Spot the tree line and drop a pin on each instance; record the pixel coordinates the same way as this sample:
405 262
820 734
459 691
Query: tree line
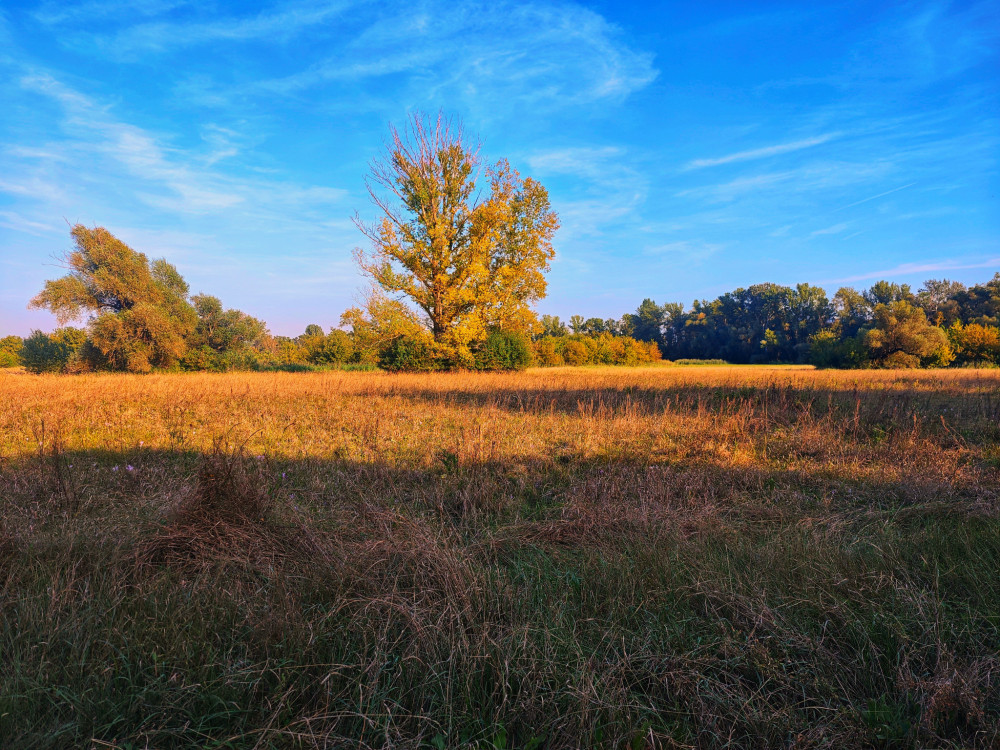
141 318
457 264
887 325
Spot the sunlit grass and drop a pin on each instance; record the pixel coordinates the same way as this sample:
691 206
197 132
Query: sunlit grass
663 556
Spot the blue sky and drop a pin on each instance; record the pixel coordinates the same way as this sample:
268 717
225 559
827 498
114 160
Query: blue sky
689 148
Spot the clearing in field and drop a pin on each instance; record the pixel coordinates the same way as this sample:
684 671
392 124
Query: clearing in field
665 557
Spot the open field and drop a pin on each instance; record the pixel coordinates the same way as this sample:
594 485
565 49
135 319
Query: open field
663 557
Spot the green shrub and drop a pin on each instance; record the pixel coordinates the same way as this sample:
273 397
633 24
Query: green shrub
203 358
53 352
826 349
902 337
413 354
244 358
901 361
334 348
503 350
285 367
605 349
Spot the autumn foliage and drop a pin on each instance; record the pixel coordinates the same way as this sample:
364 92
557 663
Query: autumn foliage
139 312
469 265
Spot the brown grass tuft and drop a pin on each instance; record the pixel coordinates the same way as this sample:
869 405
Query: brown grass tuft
227 516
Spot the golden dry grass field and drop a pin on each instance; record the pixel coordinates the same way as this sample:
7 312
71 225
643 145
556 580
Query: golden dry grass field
571 557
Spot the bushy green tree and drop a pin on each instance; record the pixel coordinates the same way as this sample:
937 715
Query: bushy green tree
825 348
139 316
504 350
225 340
547 354
575 353
648 321
415 353
886 293
377 324
52 352
852 311
225 330
980 304
937 298
287 351
336 347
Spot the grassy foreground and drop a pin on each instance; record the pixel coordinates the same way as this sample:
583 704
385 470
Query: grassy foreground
664 557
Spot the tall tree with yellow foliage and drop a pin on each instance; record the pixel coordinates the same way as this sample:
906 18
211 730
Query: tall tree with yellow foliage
471 258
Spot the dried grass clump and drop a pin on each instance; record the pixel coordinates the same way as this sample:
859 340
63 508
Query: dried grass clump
230 488
229 515
951 699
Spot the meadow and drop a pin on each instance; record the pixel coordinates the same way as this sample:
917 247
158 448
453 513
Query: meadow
703 557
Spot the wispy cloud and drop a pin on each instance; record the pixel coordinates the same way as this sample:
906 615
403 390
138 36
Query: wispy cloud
539 52
690 249
52 13
5 35
488 55
589 162
728 191
606 188
31 186
13 220
165 177
278 25
835 229
762 153
904 269
814 177
874 197
911 45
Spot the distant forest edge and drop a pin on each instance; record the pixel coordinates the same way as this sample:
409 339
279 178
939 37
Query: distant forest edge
457 263
142 318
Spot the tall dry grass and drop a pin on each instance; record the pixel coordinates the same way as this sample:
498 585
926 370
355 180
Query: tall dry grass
662 557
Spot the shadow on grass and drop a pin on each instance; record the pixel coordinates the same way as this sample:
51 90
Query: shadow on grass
781 403
174 599
469 493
